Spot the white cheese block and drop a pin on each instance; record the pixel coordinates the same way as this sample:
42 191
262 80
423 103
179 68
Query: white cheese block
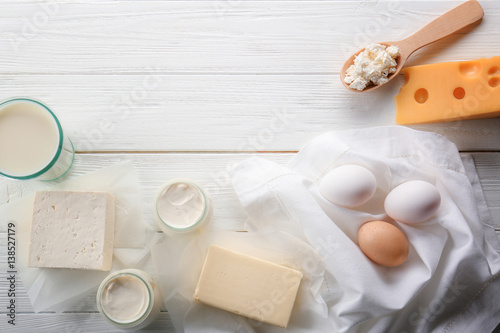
248 286
72 230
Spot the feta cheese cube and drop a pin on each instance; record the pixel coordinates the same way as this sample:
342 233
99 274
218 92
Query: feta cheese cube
72 230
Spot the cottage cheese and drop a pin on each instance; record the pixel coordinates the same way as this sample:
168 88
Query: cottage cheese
372 66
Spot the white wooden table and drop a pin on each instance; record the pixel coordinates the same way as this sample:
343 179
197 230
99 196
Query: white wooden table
186 88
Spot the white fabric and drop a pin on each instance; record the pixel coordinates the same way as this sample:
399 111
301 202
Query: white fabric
449 282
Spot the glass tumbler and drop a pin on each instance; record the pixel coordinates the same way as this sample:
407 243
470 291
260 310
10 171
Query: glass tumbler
32 142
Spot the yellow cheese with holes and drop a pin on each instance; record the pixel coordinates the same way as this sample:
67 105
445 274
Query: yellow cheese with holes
450 91
248 286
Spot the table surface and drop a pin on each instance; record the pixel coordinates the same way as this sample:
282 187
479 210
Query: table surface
187 88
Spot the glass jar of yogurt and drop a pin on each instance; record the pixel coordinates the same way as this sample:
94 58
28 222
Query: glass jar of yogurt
129 299
182 205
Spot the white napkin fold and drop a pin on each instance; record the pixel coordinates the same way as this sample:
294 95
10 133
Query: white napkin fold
449 282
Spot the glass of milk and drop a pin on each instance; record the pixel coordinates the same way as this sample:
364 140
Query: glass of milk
32 142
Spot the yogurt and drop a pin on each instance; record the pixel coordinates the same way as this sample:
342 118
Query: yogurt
125 298
129 299
182 205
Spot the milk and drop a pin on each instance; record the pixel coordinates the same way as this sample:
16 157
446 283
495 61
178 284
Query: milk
29 138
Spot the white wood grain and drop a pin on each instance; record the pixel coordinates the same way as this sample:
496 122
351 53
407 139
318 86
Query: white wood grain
77 322
221 36
487 166
220 112
155 169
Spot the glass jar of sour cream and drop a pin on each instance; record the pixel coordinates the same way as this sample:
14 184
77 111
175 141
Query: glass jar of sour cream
129 299
181 205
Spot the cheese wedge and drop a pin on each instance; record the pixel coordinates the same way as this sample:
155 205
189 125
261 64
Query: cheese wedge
248 286
72 230
450 91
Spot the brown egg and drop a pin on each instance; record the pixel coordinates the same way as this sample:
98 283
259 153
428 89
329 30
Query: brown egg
383 243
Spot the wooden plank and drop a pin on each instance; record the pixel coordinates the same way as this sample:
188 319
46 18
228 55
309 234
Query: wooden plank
157 112
155 169
76 322
92 36
487 166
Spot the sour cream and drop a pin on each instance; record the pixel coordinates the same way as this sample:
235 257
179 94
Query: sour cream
125 298
182 205
129 299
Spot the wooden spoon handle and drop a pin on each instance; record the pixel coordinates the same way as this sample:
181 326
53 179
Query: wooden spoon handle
448 23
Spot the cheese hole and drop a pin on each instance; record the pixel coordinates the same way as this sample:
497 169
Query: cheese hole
469 68
494 82
421 95
459 93
494 70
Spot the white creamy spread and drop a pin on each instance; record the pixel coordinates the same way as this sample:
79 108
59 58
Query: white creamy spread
125 298
180 205
373 65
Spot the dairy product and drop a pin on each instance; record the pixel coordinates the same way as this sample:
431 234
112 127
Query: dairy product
32 143
248 286
181 205
450 91
372 66
129 299
72 230
29 138
125 298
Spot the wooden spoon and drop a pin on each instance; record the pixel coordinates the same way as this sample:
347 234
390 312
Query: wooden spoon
446 24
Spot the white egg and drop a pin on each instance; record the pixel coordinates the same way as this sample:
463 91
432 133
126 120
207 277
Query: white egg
412 202
348 185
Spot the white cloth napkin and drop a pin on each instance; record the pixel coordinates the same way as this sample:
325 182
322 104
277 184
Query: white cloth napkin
449 282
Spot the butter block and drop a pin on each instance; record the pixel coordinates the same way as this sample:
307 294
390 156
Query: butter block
449 91
248 286
72 230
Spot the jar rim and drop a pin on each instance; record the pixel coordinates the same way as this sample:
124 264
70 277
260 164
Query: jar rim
60 132
203 215
115 275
